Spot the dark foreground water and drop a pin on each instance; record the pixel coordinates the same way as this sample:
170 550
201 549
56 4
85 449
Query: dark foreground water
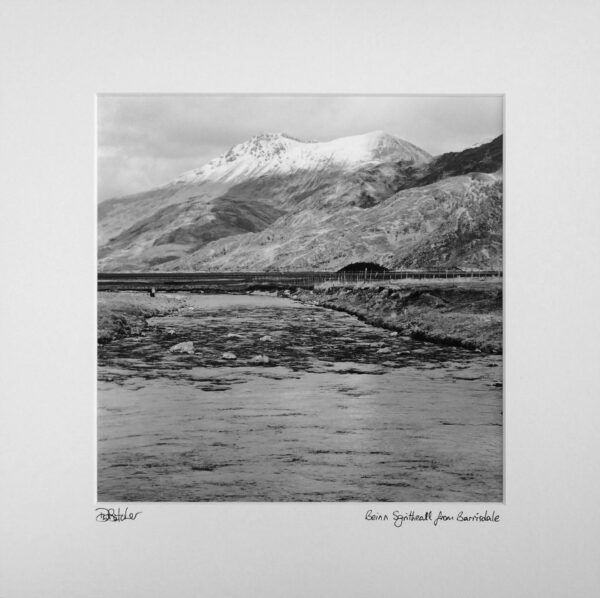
342 410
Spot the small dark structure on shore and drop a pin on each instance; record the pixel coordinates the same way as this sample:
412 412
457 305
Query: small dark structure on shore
362 267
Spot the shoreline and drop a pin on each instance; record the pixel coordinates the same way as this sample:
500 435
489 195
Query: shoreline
119 317
465 314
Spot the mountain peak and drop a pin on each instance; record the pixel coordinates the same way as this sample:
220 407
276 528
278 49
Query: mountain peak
280 153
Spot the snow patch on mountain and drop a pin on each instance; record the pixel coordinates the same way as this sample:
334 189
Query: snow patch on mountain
278 153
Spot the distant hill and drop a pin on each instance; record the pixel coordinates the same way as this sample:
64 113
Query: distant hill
483 158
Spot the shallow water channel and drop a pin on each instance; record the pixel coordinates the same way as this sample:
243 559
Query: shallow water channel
342 410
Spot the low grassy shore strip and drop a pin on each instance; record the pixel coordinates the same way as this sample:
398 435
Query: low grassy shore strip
464 314
125 314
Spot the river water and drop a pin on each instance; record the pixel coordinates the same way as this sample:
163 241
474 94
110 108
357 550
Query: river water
342 411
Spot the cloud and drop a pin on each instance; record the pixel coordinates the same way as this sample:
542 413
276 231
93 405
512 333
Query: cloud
147 140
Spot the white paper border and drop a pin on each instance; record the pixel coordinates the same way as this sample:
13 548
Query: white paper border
58 55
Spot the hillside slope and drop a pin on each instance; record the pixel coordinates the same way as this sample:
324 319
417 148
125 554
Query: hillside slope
454 222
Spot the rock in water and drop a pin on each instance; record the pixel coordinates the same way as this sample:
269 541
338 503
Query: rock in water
187 347
260 359
229 355
266 338
384 350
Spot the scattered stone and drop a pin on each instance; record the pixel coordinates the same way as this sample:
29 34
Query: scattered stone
187 347
260 359
170 332
266 338
384 350
393 333
233 335
229 355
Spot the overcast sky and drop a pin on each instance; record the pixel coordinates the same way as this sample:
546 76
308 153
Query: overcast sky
147 140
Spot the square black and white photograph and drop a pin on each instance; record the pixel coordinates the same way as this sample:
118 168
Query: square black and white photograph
300 298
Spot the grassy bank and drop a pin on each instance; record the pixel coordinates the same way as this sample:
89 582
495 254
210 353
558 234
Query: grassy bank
465 313
125 314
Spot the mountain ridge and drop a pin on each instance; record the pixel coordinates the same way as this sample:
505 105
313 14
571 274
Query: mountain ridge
269 153
229 215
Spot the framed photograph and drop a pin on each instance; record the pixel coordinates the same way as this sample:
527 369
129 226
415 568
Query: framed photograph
283 317
299 299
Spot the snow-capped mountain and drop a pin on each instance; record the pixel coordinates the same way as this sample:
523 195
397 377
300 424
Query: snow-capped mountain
278 153
277 202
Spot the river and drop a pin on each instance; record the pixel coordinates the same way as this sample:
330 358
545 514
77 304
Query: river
342 411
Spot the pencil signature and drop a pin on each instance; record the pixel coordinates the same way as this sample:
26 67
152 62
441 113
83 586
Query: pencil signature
110 514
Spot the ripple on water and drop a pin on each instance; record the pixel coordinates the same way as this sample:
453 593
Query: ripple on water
328 418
